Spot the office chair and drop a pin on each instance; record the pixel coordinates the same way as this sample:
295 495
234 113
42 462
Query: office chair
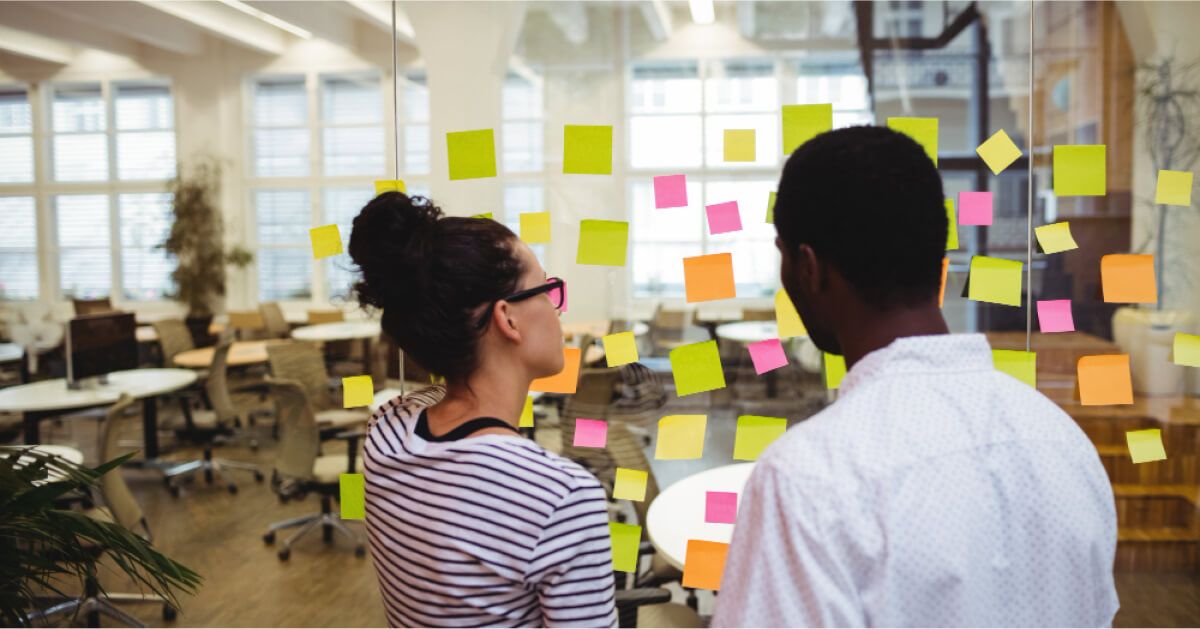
92 306
274 320
245 324
667 329
304 363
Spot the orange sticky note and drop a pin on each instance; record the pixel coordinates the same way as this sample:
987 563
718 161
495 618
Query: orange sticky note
564 381
703 564
1128 278
942 290
708 278
1105 380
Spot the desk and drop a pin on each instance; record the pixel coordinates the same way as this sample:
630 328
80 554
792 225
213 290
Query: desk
677 514
50 398
241 353
147 333
342 331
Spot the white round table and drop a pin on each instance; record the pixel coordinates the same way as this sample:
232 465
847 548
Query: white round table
67 453
677 514
342 331
748 331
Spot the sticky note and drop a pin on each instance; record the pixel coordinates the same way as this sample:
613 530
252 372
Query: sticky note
998 152
1080 170
625 541
587 149
389 185
1128 278
1055 237
942 288
767 355
472 154
975 208
723 217
1146 445
709 278
535 227
720 507
995 280
1105 380
670 191
835 370
1018 364
487 215
620 348
564 381
771 207
352 496
357 391
602 242
526 420
1186 350
703 564
787 319
739 145
802 123
680 437
1054 315
923 130
952 227
1174 188
590 433
630 484
754 434
697 368
326 241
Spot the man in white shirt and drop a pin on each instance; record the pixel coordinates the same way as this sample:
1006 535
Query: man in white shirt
936 491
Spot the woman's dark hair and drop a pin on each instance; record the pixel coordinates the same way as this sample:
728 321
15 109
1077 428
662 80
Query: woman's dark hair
430 274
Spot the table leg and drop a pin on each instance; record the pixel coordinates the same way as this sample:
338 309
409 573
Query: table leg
32 434
772 384
150 427
366 356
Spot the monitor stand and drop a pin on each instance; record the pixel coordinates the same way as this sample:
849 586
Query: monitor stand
88 383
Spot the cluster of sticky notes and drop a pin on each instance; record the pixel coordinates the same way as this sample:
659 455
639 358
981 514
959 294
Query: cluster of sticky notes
535 227
472 154
526 419
1146 445
326 241
995 280
357 391
802 123
998 152
680 437
625 541
1019 364
923 130
620 348
564 381
835 370
1080 170
767 355
723 217
590 433
389 185
670 191
975 208
709 277
720 507
1105 380
1055 237
630 484
787 318
952 229
1186 350
739 145
352 496
1054 315
697 368
703 564
602 243
587 149
754 434
1174 187
1128 278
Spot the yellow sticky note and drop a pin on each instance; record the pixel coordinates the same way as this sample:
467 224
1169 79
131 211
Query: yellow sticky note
786 318
620 349
389 185
1146 445
1080 170
952 228
754 434
602 242
1174 188
526 419
802 123
998 152
1055 237
357 391
587 149
1128 278
630 484
1105 380
1186 350
326 241
771 207
995 280
472 154
835 370
923 130
680 437
487 215
625 541
1018 364
352 496
697 368
535 227
739 145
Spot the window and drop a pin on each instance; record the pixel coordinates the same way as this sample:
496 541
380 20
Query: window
665 116
16 136
284 253
84 251
80 144
281 135
838 80
352 115
18 248
520 198
341 206
415 139
521 137
145 131
145 220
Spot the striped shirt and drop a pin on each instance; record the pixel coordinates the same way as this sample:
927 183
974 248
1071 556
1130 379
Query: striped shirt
486 531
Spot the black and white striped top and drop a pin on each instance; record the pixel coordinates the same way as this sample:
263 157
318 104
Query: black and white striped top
487 531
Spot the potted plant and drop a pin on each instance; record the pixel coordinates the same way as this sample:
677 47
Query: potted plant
1168 98
196 241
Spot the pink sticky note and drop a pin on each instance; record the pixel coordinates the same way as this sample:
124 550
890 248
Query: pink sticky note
590 433
974 208
723 218
670 191
1054 315
767 355
720 507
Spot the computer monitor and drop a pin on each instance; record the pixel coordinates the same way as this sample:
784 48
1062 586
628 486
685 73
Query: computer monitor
101 344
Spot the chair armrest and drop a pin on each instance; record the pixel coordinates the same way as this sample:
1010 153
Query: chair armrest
638 597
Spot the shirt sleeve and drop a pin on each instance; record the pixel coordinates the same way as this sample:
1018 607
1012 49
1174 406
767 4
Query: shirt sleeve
572 562
783 568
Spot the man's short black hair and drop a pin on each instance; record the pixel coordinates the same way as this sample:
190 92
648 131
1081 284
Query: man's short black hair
869 201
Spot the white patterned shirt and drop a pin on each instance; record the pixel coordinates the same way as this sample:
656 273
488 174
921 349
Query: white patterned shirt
935 492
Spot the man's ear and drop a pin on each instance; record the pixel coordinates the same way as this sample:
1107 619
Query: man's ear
809 270
504 319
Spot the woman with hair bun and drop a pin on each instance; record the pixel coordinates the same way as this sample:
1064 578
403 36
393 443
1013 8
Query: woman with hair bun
470 523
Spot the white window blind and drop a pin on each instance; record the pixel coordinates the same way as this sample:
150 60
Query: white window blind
18 248
742 95
284 250
415 138
342 204
84 256
352 115
281 134
16 136
145 117
80 141
521 135
520 198
145 268
665 115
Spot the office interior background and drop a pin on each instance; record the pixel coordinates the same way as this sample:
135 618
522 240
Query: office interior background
119 119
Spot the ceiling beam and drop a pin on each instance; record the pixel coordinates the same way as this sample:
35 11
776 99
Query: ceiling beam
37 18
379 15
137 22
320 18
35 46
571 18
230 24
658 19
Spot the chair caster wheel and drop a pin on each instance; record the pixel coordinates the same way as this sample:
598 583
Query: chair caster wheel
269 538
258 476
284 554
232 489
360 552
169 613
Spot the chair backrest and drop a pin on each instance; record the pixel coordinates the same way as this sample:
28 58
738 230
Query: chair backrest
217 384
299 442
303 363
117 496
273 319
245 322
670 323
591 400
758 314
325 316
626 451
173 337
92 306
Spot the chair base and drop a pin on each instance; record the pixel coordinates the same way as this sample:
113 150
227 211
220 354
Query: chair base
328 522
211 467
92 607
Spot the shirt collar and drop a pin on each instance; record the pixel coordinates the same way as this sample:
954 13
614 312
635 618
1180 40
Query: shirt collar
922 354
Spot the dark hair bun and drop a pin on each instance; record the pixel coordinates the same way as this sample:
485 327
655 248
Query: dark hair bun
392 238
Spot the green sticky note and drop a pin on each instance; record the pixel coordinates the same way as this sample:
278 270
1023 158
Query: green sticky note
535 227
602 242
587 149
326 241
697 368
835 370
802 123
771 207
1080 170
754 434
739 145
1018 364
680 437
1186 350
1174 188
952 228
923 130
995 280
630 484
472 154
620 348
487 215
526 419
357 391
625 541
1146 445
352 496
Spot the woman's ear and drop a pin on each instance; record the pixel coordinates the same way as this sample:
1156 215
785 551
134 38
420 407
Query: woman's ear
505 320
